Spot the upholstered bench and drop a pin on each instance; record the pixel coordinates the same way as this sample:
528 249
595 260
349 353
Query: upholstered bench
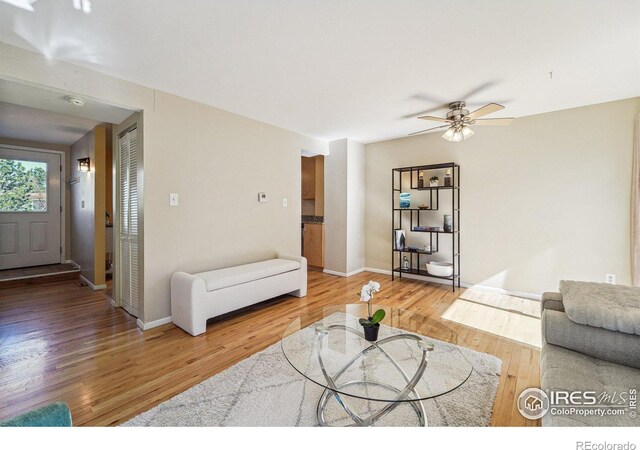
201 296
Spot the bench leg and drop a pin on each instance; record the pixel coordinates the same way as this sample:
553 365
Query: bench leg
299 293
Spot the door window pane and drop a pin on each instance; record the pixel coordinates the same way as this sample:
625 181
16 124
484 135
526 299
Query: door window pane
23 186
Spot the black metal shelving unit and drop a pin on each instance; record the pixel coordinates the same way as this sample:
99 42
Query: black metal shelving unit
414 218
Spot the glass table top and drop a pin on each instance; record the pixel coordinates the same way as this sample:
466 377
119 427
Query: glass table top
414 358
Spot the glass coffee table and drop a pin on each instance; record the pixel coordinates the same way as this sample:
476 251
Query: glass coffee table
415 358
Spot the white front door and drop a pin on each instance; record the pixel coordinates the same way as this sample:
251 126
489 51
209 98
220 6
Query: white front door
30 211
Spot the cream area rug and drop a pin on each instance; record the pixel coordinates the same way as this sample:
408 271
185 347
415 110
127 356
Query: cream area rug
265 390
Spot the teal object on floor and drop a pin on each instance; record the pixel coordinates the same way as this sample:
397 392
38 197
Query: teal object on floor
53 415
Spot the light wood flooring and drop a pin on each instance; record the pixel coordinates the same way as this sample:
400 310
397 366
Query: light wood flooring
63 341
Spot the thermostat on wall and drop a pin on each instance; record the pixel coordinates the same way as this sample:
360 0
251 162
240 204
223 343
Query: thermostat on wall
262 197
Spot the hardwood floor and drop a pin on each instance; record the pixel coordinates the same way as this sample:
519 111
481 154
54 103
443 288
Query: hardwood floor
63 341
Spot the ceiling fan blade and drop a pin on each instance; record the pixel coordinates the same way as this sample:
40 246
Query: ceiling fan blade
501 121
486 109
434 118
428 129
479 89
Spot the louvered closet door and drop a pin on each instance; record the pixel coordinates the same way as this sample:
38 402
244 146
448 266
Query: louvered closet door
129 221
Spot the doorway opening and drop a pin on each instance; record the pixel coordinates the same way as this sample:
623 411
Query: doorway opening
58 189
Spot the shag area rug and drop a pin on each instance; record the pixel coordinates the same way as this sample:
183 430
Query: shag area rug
265 390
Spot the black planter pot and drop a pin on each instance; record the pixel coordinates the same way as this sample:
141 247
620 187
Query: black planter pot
371 333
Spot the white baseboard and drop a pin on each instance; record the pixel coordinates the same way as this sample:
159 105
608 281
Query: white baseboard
462 283
95 287
482 287
71 261
343 274
371 269
155 323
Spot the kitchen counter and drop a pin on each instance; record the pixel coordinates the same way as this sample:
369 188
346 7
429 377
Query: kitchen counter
312 219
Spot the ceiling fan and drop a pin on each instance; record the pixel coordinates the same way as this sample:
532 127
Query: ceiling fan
459 121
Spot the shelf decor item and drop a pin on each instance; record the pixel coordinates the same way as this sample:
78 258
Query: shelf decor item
433 181
448 227
420 180
405 263
405 199
371 324
440 269
447 178
399 239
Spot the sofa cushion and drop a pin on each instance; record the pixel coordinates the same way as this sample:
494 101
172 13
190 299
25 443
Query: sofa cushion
602 305
563 369
614 346
232 276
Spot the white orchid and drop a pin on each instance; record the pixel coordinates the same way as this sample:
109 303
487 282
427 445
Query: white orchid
366 293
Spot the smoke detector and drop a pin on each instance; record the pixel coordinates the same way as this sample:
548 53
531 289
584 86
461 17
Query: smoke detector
75 101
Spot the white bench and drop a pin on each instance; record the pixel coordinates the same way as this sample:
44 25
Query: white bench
201 296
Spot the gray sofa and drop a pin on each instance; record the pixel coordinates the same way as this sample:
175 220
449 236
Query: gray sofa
578 357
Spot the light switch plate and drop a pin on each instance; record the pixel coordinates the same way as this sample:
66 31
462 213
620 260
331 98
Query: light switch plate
262 197
284 202
173 199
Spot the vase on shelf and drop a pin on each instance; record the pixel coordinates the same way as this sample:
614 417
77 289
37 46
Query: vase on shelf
405 199
448 223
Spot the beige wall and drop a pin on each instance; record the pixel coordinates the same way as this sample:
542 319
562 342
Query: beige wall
216 161
335 207
544 199
355 206
88 222
344 206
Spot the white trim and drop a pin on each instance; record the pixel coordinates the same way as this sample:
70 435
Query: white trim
371 269
71 261
342 274
462 283
95 287
155 323
503 291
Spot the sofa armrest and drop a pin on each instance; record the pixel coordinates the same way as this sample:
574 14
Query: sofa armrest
553 301
614 346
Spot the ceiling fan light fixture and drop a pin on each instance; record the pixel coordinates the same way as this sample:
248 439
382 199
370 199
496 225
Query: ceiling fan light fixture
467 132
448 135
457 136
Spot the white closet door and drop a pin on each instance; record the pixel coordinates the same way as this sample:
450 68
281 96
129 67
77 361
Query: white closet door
129 221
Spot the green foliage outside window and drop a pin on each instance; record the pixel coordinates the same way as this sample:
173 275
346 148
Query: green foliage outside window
23 187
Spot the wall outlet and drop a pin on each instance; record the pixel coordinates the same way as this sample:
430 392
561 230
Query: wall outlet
262 197
610 278
284 202
173 199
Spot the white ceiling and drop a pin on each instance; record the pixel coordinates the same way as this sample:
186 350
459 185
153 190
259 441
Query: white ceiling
31 124
360 68
33 113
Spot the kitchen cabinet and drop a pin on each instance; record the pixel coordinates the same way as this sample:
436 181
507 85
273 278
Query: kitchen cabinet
308 178
313 244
